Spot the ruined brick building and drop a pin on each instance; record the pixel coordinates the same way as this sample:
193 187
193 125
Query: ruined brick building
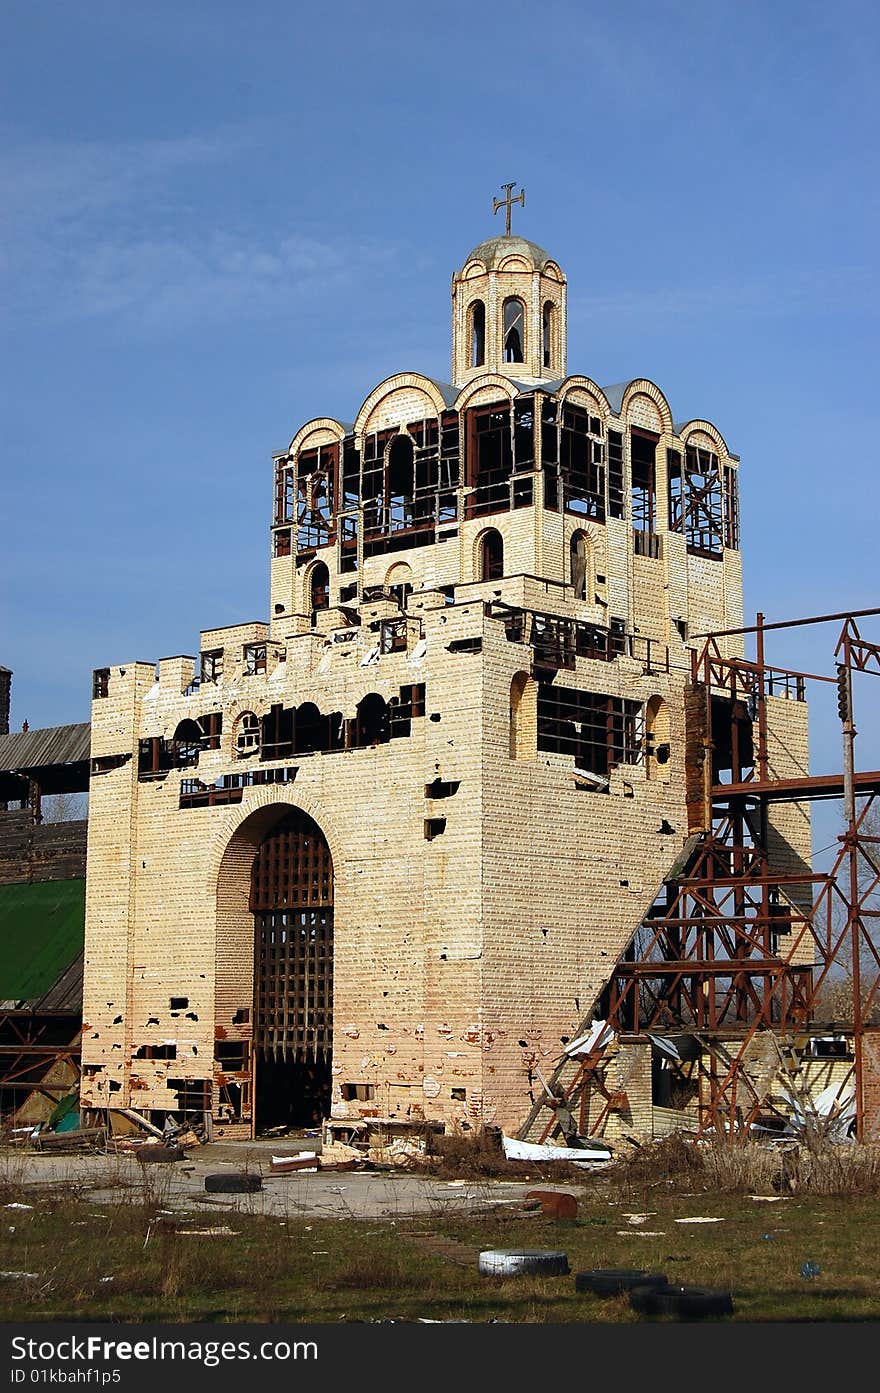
377 853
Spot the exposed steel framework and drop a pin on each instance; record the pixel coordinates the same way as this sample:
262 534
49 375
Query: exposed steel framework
734 946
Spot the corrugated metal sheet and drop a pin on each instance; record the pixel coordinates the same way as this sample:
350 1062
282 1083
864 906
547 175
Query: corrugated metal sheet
36 749
67 993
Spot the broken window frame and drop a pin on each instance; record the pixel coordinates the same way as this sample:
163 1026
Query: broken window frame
616 476
581 462
600 731
393 636
282 543
731 507
211 665
697 507
100 683
643 491
306 495
254 658
489 433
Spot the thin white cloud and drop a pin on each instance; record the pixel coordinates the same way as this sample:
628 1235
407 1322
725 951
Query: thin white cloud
112 231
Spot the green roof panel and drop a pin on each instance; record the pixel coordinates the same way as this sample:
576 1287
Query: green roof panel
42 928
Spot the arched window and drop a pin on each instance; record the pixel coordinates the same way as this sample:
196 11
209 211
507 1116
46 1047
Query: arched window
372 722
491 556
401 484
319 587
189 739
579 553
514 319
547 333
399 581
478 334
310 729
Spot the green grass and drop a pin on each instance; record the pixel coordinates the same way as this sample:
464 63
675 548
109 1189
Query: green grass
305 1269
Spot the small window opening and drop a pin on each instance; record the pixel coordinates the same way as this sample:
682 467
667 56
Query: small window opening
357 1092
579 556
212 665
547 334
319 590
254 658
514 330
440 788
478 334
178 1003
434 827
491 556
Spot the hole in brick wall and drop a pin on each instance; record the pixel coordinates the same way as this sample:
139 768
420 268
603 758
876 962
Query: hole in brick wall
242 1016
191 1016
179 1003
465 645
434 827
380 1025
153 1020
166 1051
435 716
115 1085
442 789
117 1020
458 1095
357 1092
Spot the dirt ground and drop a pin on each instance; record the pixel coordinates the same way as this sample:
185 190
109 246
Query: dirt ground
346 1194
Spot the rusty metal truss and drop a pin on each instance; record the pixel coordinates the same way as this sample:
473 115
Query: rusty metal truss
735 947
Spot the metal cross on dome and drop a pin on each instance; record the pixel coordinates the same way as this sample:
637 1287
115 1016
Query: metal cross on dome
508 203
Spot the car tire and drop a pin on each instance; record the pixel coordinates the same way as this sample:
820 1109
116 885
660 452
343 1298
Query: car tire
233 1183
515 1262
687 1303
611 1281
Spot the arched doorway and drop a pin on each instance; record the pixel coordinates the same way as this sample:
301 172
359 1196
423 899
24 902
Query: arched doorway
291 899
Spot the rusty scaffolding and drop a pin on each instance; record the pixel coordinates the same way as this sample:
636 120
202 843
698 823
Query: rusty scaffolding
734 945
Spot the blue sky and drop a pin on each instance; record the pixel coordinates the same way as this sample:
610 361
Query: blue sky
219 221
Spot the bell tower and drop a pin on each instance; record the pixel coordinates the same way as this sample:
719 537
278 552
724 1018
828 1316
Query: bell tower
509 309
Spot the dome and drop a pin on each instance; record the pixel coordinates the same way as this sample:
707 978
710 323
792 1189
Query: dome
495 249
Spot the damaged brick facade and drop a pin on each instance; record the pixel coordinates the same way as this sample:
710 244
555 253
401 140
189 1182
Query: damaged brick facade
375 855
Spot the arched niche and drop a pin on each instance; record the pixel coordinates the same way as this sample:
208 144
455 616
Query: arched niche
580 567
523 717
657 731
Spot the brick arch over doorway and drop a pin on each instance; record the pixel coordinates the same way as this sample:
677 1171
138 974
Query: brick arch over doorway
275 948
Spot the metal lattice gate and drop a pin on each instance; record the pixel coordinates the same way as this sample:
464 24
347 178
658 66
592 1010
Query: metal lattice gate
292 903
